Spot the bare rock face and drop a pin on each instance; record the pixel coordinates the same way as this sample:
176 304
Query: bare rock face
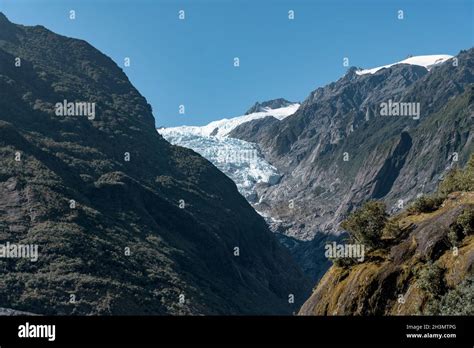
337 151
394 281
272 104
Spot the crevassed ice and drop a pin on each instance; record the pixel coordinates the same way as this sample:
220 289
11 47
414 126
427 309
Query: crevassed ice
238 159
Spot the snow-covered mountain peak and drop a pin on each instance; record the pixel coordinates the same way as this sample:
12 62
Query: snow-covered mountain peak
427 62
221 128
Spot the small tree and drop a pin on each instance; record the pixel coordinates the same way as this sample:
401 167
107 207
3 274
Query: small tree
466 221
460 300
426 204
430 280
366 224
459 179
463 226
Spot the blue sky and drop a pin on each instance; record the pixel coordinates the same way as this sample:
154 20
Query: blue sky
190 62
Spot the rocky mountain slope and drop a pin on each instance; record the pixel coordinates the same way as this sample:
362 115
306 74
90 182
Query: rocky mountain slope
336 151
269 105
423 263
125 222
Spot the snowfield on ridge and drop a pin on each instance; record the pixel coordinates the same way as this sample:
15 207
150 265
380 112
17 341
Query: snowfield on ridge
428 62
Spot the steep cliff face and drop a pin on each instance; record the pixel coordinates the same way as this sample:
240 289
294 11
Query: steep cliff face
337 151
419 272
125 223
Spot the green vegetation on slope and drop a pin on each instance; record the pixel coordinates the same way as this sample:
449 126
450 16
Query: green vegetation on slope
422 262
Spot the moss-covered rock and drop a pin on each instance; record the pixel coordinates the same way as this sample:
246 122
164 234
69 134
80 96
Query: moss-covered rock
422 273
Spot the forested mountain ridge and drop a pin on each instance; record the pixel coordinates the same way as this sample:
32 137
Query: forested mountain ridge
125 223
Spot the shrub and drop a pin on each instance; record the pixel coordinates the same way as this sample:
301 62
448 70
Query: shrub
366 224
426 204
457 301
392 229
463 226
430 280
343 262
466 221
453 236
459 179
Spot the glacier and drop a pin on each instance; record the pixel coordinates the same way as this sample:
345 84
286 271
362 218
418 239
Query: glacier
240 160
427 61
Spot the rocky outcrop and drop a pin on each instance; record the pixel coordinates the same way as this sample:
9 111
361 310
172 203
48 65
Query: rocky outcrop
269 104
417 273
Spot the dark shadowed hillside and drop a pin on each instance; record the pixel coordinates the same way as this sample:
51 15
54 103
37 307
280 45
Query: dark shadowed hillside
124 221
